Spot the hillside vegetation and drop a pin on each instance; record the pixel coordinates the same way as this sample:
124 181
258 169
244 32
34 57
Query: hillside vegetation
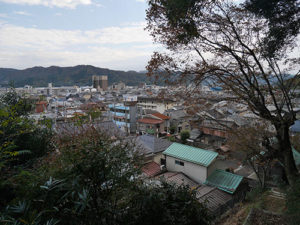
66 76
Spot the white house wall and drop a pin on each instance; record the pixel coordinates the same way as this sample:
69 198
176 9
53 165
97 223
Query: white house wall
154 105
194 171
212 167
157 157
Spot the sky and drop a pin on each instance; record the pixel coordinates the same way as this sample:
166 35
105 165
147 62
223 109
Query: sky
104 33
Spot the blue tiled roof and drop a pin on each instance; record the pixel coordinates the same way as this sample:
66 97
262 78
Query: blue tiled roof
122 107
296 127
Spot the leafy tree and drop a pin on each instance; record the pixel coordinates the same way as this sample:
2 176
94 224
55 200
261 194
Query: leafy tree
257 143
94 114
22 142
167 204
283 18
98 182
14 102
18 134
184 135
221 43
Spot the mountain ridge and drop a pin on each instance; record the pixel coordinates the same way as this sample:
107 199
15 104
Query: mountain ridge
80 75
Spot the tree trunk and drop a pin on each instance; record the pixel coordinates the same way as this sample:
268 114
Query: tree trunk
256 171
287 153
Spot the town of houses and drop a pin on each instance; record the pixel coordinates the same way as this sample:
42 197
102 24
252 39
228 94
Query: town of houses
204 162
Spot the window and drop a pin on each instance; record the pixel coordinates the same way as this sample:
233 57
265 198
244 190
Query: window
179 163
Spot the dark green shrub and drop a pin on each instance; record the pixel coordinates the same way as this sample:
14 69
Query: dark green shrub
293 204
185 134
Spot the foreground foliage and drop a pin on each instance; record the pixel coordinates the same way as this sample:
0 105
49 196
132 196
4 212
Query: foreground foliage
293 204
22 144
93 179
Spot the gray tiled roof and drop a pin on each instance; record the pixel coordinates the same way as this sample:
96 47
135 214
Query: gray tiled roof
176 114
213 198
194 134
106 127
151 144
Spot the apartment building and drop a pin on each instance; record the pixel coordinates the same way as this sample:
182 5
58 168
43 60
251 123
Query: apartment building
155 103
124 115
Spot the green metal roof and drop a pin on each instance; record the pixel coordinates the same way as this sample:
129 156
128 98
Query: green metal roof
296 155
191 154
225 181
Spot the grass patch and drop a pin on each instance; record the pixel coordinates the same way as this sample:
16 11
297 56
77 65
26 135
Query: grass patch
257 199
263 199
273 204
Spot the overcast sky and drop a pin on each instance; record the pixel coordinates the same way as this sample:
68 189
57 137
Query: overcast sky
104 33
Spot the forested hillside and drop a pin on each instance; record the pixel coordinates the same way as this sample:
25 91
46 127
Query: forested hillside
61 76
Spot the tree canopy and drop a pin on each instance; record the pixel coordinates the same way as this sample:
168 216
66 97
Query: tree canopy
223 44
283 18
22 143
95 179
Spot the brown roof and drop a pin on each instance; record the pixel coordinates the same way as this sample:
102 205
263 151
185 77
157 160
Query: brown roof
151 169
133 103
119 117
161 116
150 121
41 103
178 178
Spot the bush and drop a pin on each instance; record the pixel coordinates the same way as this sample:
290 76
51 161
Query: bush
172 129
22 144
172 138
252 195
96 180
293 204
184 135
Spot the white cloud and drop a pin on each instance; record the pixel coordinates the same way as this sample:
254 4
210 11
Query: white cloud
22 13
3 15
11 35
51 3
112 47
97 4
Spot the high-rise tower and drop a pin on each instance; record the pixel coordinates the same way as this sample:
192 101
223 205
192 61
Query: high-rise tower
96 82
100 82
103 81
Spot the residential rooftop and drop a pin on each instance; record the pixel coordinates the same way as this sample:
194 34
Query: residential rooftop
191 154
225 181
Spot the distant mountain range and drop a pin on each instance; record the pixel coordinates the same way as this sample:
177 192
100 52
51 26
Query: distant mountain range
67 76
